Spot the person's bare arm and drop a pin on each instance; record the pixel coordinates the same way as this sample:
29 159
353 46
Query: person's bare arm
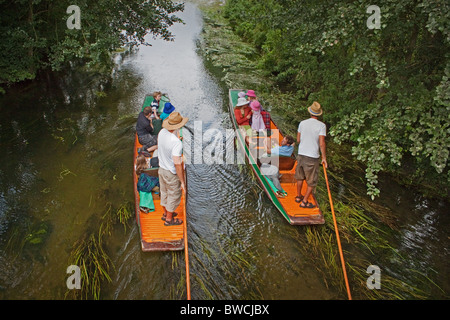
155 112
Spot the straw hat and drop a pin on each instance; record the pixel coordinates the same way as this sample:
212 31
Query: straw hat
174 121
315 109
241 102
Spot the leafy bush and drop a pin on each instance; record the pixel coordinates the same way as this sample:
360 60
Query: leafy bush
386 91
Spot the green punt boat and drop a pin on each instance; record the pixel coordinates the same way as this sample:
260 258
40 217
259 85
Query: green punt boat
290 209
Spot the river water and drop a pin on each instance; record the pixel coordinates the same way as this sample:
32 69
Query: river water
67 159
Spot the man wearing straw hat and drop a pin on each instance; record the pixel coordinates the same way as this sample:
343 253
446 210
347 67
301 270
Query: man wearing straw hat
311 136
171 173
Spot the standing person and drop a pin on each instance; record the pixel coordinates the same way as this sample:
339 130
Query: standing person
144 130
311 136
171 173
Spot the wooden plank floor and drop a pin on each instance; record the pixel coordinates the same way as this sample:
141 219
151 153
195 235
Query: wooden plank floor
154 231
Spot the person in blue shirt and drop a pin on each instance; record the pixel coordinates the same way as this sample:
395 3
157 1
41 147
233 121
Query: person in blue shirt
284 149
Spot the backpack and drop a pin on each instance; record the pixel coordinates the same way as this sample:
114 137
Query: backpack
146 183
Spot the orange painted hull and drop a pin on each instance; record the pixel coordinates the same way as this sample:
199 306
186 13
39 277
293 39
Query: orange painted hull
155 236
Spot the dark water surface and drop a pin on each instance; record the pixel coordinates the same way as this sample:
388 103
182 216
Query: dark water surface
67 159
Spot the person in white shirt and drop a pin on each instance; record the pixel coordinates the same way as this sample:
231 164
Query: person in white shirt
171 173
311 136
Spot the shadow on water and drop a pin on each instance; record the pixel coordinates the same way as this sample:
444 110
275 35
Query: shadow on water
68 158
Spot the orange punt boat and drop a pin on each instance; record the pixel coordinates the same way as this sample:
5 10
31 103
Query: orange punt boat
155 236
290 209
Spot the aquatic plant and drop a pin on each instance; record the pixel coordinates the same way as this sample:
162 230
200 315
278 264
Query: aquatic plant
94 264
32 237
90 255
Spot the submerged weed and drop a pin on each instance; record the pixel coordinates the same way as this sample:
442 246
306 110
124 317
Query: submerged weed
89 254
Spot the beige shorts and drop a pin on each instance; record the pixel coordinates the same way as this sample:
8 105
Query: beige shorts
307 169
170 189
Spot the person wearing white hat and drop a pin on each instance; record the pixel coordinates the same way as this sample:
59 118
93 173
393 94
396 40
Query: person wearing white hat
311 138
171 173
242 112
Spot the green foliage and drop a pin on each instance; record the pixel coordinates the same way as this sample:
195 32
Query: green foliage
36 36
386 91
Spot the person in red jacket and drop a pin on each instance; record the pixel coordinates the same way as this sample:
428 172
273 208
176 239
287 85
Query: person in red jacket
243 113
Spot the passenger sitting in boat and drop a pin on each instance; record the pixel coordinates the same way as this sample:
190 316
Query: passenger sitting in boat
145 185
242 94
273 174
251 96
144 130
257 119
168 109
243 113
155 104
141 164
265 114
286 147
271 171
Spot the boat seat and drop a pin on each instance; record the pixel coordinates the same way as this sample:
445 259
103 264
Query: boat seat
286 163
153 172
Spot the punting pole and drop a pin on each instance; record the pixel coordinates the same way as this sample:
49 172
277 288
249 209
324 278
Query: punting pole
186 255
337 236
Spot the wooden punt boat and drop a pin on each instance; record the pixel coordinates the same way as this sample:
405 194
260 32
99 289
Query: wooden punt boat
154 235
287 205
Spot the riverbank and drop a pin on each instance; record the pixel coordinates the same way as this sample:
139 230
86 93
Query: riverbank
369 228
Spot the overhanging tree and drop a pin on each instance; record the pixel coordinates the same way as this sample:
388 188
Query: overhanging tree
386 91
35 35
